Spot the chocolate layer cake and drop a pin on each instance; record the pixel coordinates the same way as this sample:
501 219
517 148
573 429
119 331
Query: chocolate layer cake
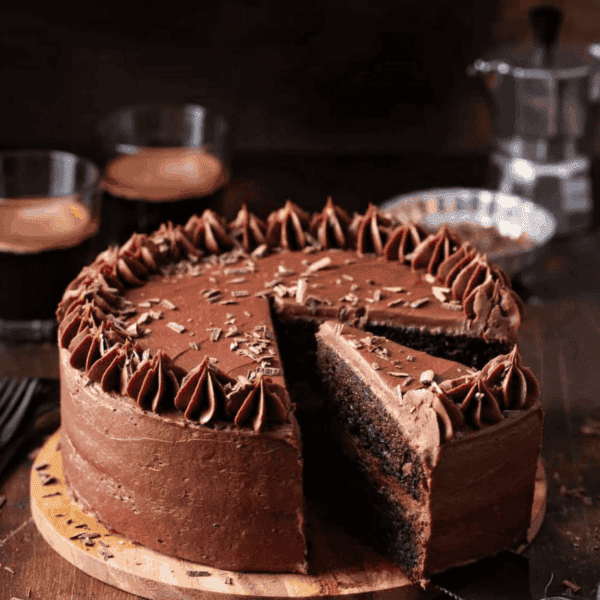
189 358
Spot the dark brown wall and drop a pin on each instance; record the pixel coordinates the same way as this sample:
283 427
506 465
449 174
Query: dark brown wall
294 76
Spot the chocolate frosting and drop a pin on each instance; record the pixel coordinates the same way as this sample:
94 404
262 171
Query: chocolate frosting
512 383
503 384
208 232
331 227
261 401
93 312
433 250
403 240
372 231
202 395
288 227
248 229
153 385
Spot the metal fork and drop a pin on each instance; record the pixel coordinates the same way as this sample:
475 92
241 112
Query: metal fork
16 396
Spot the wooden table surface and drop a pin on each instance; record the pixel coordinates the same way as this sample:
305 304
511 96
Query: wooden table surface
560 340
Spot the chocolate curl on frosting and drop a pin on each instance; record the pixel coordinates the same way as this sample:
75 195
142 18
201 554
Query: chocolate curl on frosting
262 401
202 393
154 383
433 250
208 232
248 229
331 227
287 227
512 383
403 240
372 231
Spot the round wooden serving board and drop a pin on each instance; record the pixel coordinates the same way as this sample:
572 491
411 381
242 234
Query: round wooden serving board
344 567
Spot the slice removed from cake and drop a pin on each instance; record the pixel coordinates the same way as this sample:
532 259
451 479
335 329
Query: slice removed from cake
428 449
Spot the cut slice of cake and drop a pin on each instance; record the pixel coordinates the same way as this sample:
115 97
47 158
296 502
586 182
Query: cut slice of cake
438 459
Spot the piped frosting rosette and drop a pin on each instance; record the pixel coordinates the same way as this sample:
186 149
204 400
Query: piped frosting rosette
486 396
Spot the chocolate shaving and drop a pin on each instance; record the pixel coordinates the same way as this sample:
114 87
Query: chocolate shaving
455 306
394 303
133 330
168 304
427 377
47 479
301 291
399 394
418 303
441 293
144 318
215 334
270 371
319 265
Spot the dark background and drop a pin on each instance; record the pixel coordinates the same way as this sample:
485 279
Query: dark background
319 78
309 76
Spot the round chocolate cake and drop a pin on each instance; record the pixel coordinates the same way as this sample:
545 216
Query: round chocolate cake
212 374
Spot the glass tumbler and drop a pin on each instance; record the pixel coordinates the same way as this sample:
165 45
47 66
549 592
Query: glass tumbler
162 162
49 216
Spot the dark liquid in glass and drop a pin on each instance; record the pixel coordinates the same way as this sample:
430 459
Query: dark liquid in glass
43 246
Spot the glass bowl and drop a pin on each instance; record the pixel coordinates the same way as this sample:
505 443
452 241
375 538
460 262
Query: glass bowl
509 229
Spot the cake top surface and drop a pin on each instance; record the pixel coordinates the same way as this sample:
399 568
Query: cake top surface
181 318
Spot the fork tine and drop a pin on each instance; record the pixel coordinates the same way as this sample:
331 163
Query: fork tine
7 388
11 398
20 402
6 381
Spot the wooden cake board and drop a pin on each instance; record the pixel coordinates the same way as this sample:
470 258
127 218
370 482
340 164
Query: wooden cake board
345 568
